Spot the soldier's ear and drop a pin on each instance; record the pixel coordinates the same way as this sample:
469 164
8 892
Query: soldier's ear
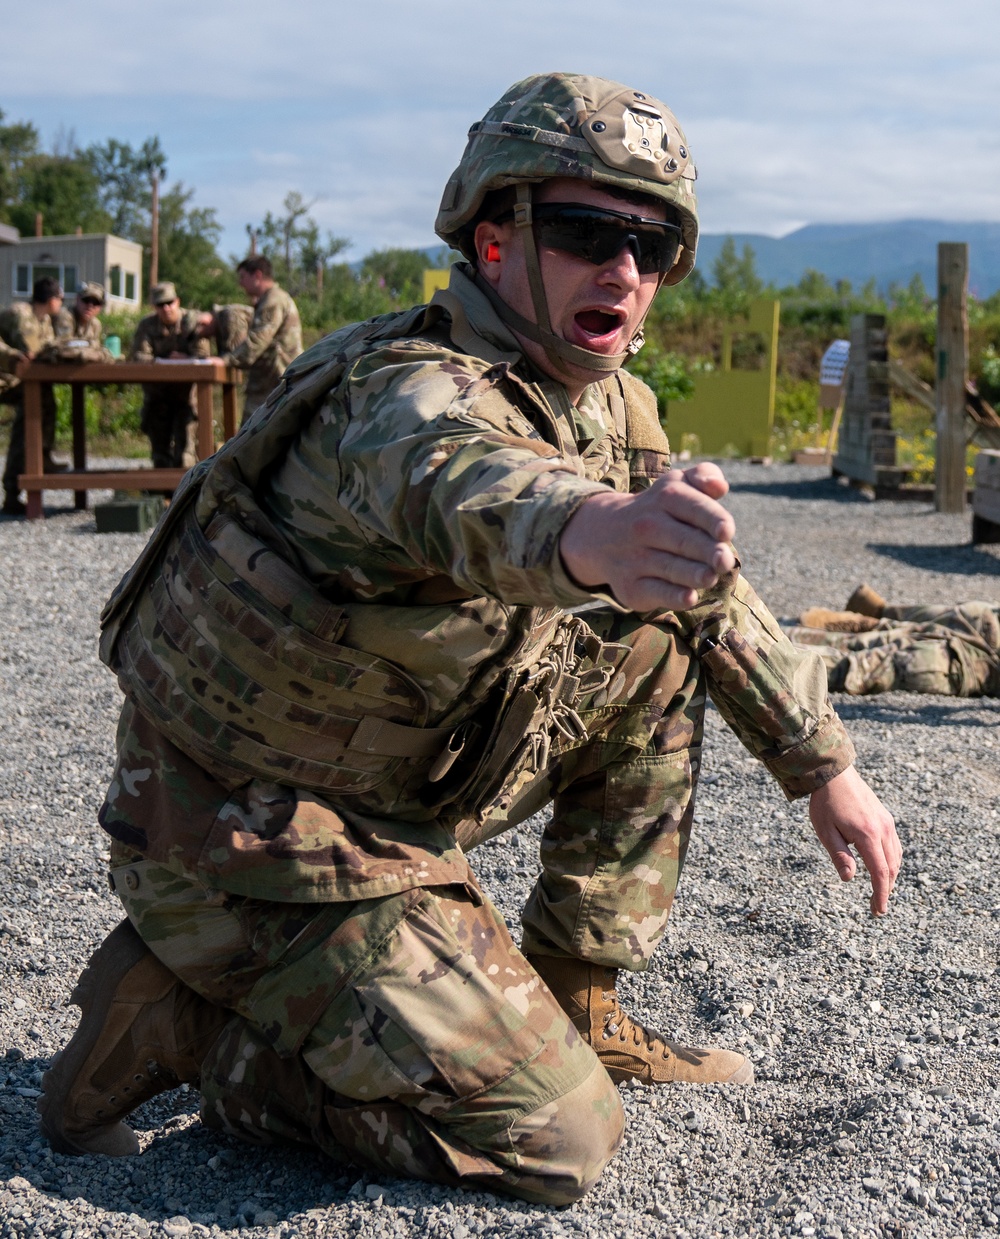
491 246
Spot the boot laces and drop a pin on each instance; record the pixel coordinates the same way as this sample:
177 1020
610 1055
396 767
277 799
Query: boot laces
155 1075
618 1023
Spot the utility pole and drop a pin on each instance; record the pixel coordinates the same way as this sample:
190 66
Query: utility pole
952 373
154 229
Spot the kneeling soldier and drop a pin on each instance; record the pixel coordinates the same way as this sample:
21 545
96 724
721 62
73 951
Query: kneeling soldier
351 654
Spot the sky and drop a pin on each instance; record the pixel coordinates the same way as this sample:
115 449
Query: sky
796 112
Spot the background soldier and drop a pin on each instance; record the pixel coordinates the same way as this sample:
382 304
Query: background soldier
168 413
25 330
227 325
83 321
274 338
875 647
348 659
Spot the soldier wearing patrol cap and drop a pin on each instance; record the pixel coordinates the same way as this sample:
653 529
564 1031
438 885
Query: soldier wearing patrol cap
168 414
354 650
83 321
25 335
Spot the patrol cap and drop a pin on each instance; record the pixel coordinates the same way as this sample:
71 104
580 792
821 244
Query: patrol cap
91 291
163 294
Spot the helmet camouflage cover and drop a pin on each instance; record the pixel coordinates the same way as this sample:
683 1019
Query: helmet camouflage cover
571 125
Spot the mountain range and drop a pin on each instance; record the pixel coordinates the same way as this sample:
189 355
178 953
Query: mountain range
889 253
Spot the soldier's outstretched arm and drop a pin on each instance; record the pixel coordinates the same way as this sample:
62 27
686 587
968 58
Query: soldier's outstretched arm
846 813
655 550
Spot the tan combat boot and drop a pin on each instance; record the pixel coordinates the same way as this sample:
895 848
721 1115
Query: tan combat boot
142 1033
866 601
837 621
627 1050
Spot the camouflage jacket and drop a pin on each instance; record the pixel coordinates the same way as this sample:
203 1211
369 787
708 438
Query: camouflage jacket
153 339
20 332
67 327
416 487
232 325
274 338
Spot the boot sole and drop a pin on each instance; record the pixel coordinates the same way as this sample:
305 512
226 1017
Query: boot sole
93 994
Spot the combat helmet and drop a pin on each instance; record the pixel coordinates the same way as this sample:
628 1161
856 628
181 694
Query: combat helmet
570 125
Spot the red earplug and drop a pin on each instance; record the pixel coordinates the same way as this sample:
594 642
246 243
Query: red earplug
492 252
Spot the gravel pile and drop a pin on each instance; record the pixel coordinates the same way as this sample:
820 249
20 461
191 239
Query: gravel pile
877 1043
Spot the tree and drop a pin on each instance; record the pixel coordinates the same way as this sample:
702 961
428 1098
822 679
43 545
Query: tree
179 240
124 176
815 286
735 277
18 143
63 190
293 244
399 271
188 240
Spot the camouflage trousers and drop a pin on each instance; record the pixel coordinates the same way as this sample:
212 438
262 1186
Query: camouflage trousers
169 421
408 1032
954 651
262 378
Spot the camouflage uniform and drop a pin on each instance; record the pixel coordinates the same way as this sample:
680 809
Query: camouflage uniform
168 414
348 659
22 332
918 649
68 327
273 340
231 326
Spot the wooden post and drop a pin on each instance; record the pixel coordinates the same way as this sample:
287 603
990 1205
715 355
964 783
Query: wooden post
154 229
78 396
206 426
33 463
952 368
229 426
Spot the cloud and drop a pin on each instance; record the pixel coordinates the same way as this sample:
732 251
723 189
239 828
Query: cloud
794 112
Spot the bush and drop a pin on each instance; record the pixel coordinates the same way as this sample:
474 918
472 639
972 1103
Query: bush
666 373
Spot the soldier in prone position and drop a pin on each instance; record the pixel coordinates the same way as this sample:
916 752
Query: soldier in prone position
353 651
877 647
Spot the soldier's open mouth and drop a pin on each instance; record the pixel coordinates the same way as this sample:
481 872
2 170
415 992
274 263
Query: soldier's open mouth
597 322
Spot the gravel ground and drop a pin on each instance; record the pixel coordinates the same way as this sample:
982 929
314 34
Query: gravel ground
877 1043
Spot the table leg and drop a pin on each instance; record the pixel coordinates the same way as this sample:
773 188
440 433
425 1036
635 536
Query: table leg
79 395
206 430
228 410
33 443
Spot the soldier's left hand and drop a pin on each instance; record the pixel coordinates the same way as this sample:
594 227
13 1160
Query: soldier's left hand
846 813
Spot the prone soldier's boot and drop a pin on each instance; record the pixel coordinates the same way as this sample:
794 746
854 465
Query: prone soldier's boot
142 1032
627 1050
837 621
866 601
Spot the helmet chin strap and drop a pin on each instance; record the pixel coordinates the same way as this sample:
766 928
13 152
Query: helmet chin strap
560 352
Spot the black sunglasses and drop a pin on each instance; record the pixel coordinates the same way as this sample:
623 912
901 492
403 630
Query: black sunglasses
599 235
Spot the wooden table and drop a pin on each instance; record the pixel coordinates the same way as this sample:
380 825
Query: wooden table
80 479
